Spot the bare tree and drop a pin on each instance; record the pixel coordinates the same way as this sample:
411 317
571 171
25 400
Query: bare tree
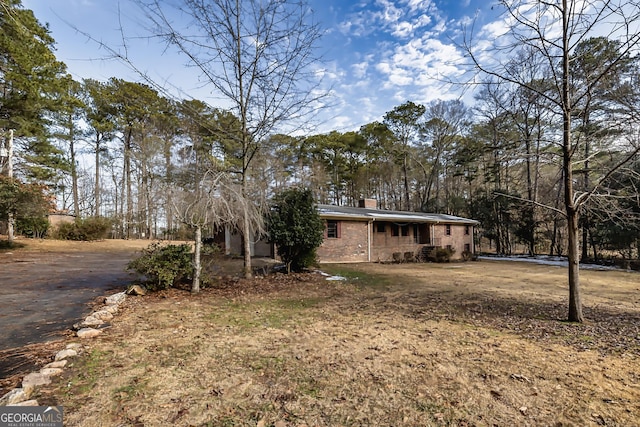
216 201
257 55
553 30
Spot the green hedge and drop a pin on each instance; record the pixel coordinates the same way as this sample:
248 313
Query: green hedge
94 228
163 265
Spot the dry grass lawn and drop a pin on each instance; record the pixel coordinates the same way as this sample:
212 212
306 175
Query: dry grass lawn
27 245
473 344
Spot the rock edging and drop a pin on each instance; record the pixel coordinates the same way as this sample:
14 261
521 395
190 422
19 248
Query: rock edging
90 327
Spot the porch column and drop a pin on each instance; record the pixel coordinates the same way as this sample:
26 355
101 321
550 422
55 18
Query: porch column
432 230
369 231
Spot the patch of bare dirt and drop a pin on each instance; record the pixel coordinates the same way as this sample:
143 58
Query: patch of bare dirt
478 344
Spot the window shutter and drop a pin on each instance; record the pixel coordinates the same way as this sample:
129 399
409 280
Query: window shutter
339 229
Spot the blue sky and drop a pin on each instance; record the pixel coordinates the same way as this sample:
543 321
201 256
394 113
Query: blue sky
378 54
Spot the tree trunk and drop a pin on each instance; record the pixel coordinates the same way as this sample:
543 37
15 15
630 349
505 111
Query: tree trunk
11 219
596 255
118 198
243 105
246 223
97 181
530 212
406 183
536 169
146 210
74 183
246 235
169 169
575 302
585 216
145 207
74 169
127 181
197 265
584 247
10 227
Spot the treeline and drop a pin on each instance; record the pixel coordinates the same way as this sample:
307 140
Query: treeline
123 150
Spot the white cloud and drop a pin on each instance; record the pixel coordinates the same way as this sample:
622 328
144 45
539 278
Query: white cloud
405 52
427 56
400 18
341 122
390 14
419 4
403 29
384 67
494 29
360 69
406 29
331 72
400 77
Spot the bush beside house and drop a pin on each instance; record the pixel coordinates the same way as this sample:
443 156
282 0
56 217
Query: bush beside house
295 228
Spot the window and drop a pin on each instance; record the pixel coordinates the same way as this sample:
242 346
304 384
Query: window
447 229
466 230
450 248
333 229
381 227
395 230
467 247
416 234
405 230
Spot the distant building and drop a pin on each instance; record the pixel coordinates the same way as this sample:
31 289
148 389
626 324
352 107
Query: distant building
57 218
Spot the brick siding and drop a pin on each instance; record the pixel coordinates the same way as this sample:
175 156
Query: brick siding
352 244
457 239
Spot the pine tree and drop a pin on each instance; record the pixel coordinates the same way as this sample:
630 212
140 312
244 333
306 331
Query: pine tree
29 81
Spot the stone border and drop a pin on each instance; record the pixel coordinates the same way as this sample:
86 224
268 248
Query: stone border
90 327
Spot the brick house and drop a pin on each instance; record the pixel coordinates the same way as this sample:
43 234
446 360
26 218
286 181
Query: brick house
368 234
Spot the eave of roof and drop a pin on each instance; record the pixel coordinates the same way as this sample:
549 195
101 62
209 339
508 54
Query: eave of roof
345 212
